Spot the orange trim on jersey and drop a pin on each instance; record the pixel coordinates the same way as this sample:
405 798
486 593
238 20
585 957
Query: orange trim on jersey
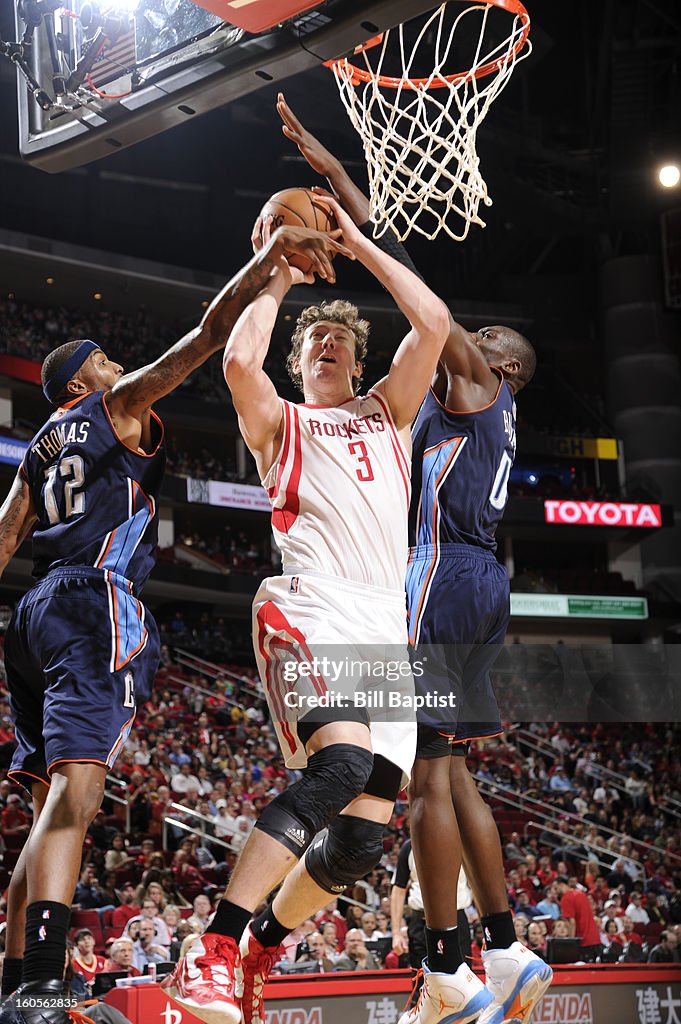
75 760
471 739
29 775
122 736
471 412
105 552
436 447
436 548
75 401
135 451
118 664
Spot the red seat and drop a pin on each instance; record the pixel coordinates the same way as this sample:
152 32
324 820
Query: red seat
88 919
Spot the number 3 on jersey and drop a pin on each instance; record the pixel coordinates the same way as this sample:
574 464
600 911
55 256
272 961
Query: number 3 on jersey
359 450
74 500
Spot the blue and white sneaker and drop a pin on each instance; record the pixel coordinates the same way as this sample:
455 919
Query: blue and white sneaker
517 979
448 998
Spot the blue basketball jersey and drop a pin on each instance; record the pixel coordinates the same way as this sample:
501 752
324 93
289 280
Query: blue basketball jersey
95 498
460 467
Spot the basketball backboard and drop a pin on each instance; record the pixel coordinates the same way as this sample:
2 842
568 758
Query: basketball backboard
107 74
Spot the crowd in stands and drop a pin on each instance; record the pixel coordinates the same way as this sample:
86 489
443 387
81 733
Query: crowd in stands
232 551
134 338
203 757
203 464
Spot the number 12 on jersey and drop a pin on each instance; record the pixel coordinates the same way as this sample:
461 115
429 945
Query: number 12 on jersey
74 499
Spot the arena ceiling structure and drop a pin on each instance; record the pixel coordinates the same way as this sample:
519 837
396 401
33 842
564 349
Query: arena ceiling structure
570 149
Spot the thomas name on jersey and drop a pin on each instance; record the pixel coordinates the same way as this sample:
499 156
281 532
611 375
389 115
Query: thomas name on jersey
52 443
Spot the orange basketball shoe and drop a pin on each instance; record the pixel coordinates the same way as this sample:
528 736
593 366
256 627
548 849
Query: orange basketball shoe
517 978
448 998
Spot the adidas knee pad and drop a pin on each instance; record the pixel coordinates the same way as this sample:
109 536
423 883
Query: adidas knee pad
349 849
334 776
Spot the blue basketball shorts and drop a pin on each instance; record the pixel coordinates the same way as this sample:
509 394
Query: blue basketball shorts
458 606
81 653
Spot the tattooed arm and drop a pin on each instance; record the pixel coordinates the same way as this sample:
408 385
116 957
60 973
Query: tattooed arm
131 398
17 517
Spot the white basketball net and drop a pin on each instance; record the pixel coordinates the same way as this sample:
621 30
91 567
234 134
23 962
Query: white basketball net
419 140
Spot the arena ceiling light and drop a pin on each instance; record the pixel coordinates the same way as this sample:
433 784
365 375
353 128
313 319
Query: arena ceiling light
669 176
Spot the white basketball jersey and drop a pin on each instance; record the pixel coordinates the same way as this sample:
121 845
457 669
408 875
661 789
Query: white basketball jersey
340 490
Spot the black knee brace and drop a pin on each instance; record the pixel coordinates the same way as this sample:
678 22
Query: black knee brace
348 850
334 776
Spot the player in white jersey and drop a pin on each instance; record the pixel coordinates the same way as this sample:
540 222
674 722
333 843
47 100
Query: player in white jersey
336 468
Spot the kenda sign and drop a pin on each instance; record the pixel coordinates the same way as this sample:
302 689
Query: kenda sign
601 513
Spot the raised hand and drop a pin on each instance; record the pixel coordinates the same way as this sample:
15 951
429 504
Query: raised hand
319 247
318 157
351 233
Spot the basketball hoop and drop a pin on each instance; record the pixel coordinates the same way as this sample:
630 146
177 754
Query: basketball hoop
419 126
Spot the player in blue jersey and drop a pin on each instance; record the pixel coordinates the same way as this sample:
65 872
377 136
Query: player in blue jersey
458 602
81 651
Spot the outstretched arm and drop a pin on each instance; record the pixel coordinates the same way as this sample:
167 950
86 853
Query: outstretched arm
17 517
459 356
133 395
414 362
255 398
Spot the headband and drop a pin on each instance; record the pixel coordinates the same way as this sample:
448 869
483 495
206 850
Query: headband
53 387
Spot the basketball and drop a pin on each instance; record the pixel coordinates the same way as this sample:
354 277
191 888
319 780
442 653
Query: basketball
299 208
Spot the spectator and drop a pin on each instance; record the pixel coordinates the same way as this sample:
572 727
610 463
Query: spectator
154 891
330 936
524 906
149 913
536 939
356 956
146 950
117 857
549 905
127 907
636 911
202 914
314 948
561 929
368 929
120 956
183 781
88 895
520 923
512 850
609 935
183 930
666 951
618 877
575 908
559 782
15 820
84 959
628 935
172 918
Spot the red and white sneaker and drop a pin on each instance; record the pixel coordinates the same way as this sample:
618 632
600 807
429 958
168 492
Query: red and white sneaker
257 962
209 980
